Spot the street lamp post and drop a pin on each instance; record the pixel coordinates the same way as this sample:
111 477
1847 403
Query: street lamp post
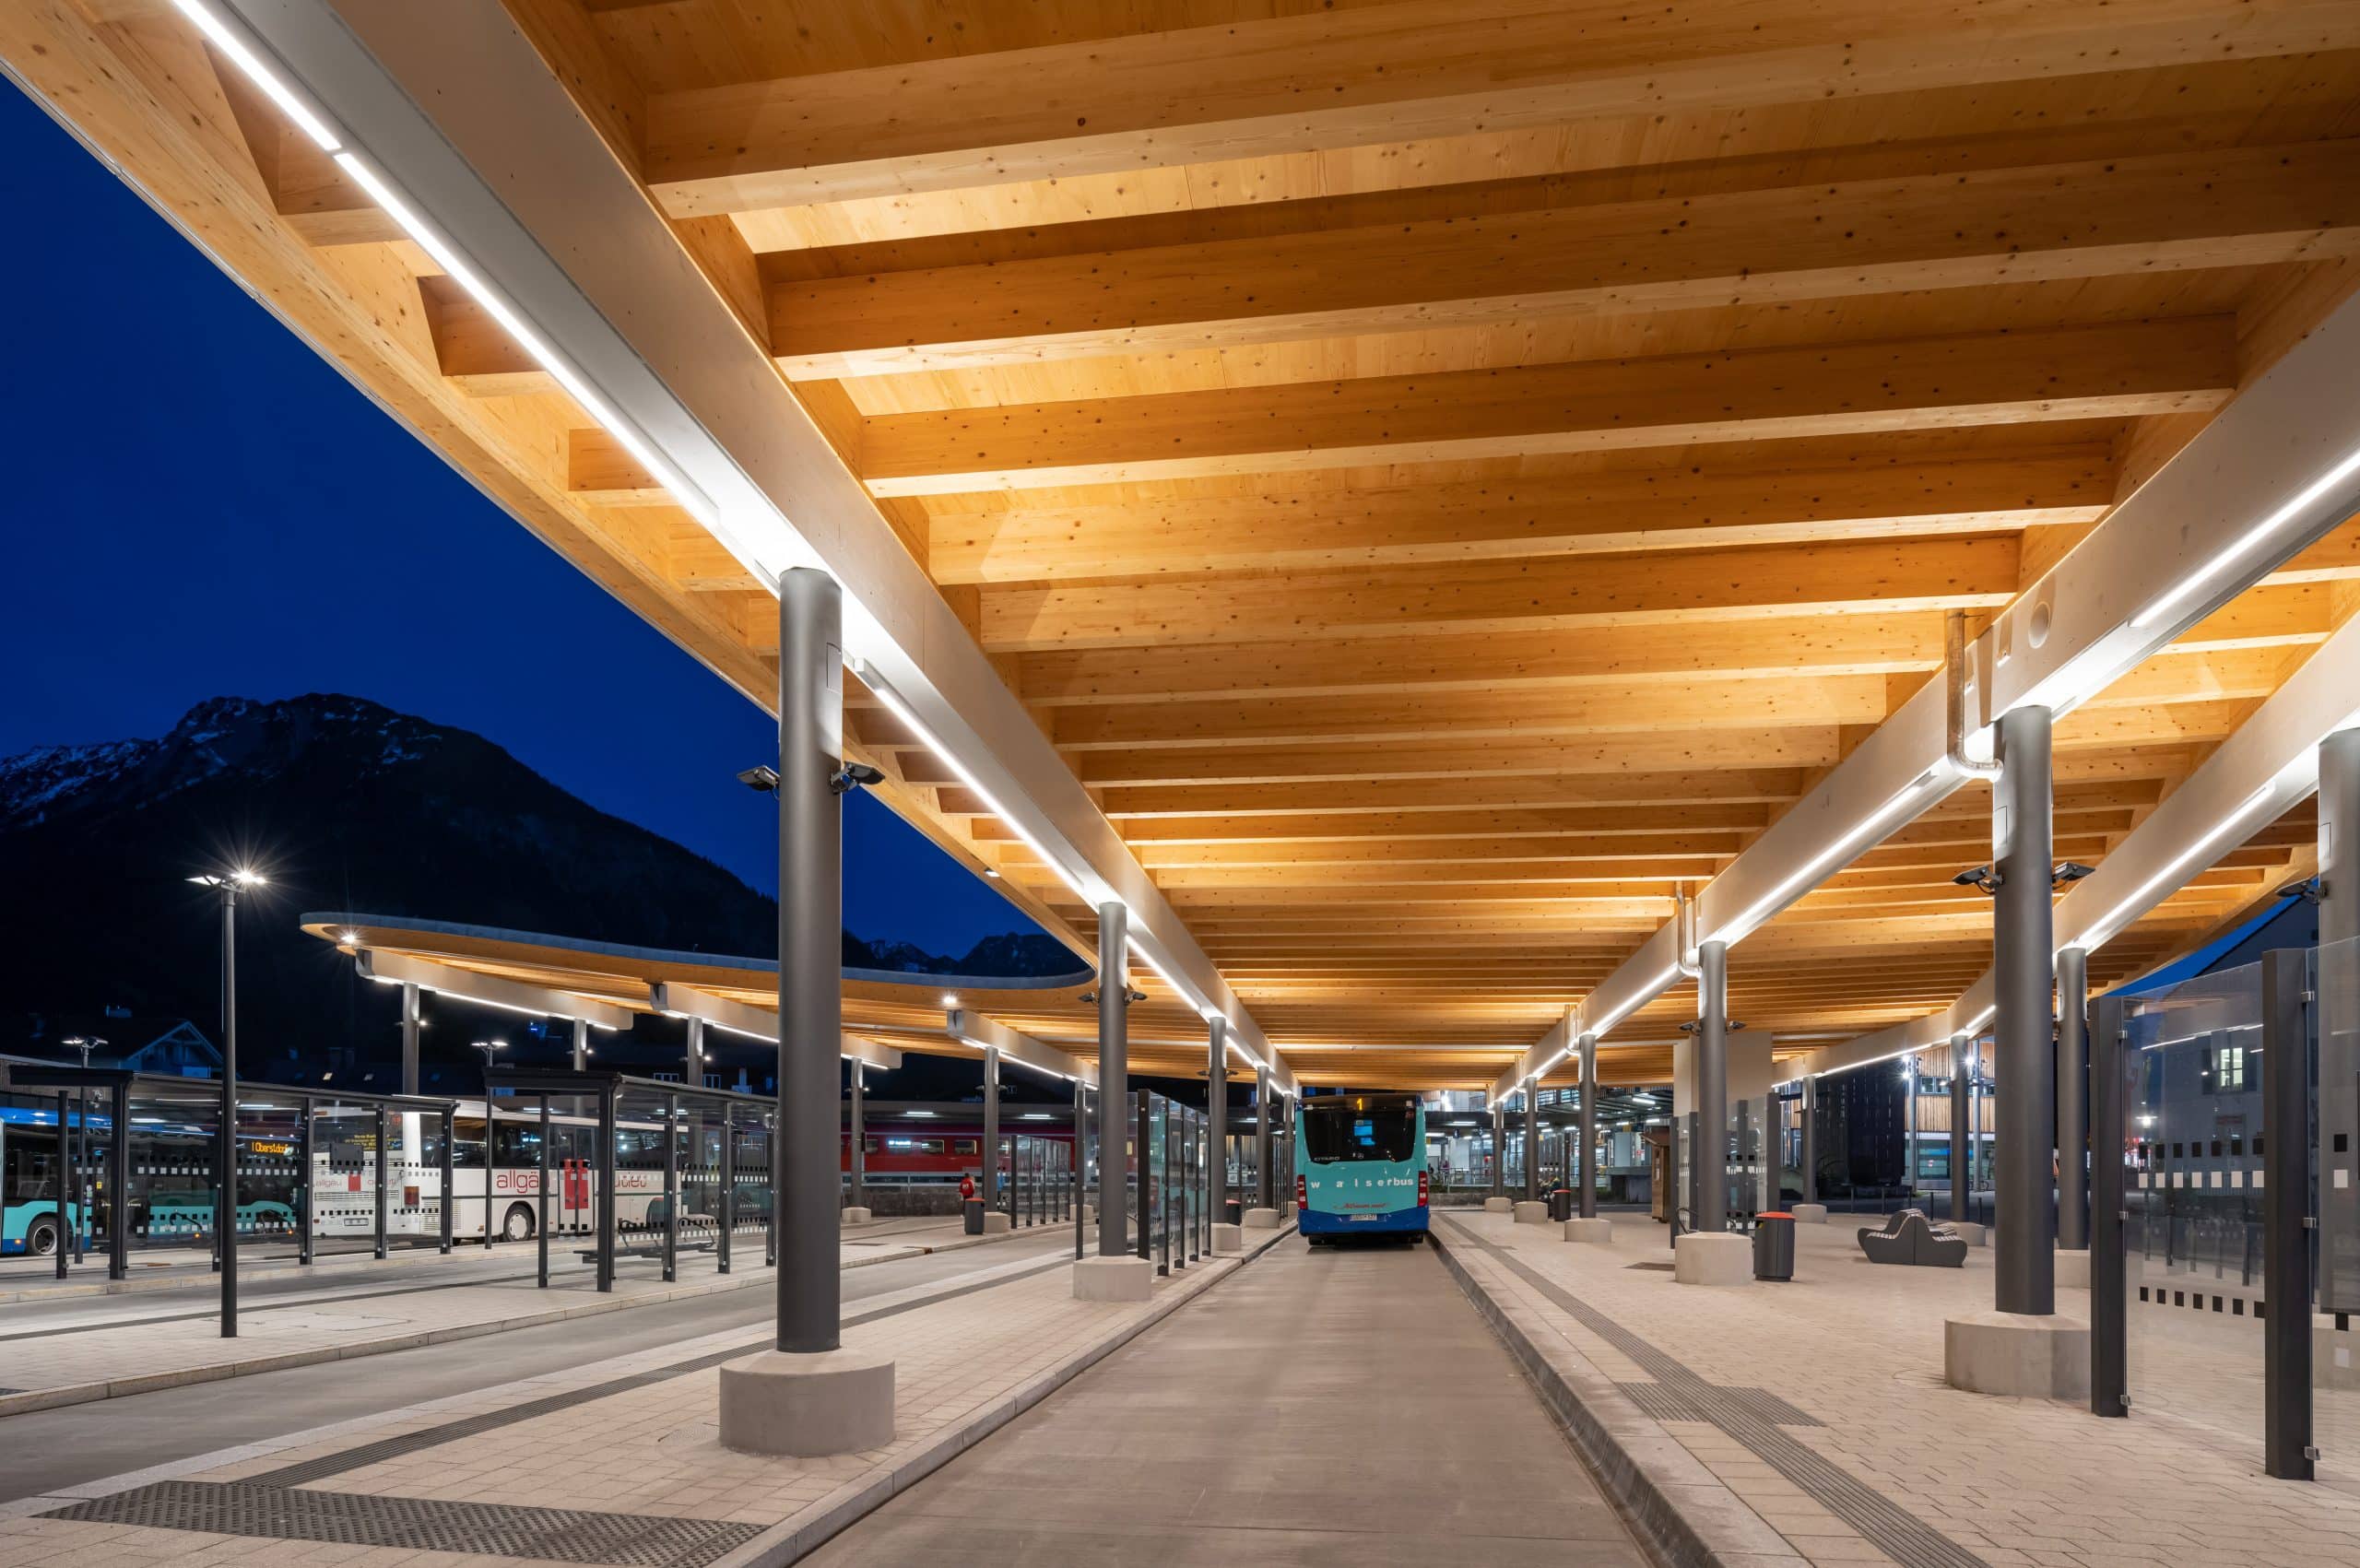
229 884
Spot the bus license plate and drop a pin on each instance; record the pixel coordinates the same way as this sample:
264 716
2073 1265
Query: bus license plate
1358 1218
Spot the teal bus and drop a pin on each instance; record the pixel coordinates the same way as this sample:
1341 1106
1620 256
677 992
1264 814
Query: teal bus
1360 1166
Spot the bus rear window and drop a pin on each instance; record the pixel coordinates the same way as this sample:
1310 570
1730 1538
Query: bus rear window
1347 1135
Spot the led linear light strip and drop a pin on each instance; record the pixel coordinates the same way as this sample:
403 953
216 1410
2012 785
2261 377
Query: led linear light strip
2253 537
251 61
487 1002
1931 780
2126 912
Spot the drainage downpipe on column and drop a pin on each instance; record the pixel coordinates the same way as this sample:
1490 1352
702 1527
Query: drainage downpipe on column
1954 694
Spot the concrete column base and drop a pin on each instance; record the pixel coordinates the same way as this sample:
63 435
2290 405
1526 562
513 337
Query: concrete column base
1531 1211
1808 1213
1228 1239
807 1405
1712 1258
1578 1229
1261 1219
1113 1279
1967 1231
997 1222
1497 1206
857 1216
2074 1268
2017 1356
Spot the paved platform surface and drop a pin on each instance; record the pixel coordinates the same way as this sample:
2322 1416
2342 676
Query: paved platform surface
613 1462
1327 1406
69 1350
1819 1405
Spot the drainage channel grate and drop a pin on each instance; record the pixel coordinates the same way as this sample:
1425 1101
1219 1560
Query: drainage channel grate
416 1524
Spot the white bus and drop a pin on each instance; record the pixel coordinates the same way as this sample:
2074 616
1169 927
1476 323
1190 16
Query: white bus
501 1184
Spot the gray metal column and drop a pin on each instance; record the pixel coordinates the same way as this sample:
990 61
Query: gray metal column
1811 1139
1114 1079
1962 1150
2286 1252
2109 1286
1500 1150
581 1046
1531 1142
692 1056
1263 1176
811 959
2339 1022
409 1038
2072 1100
1585 1188
1217 1119
1708 1208
857 1159
2023 943
993 1198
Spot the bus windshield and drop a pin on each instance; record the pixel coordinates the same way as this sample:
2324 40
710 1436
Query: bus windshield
1346 1132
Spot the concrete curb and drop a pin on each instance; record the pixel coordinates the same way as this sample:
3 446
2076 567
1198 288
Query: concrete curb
65 1394
793 1539
1684 1515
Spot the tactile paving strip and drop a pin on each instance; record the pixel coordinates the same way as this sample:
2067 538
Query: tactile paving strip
1751 1417
552 1535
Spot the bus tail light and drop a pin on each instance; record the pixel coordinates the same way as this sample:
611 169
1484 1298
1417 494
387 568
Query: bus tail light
1302 1193
1422 1189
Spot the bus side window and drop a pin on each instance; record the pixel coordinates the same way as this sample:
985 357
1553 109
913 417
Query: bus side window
466 1143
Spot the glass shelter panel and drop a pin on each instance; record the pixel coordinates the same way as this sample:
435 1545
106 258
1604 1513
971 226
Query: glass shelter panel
2192 1195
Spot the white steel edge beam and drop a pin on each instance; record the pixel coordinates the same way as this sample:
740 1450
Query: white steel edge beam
489 990
2274 471
2267 766
523 186
972 1028
727 1013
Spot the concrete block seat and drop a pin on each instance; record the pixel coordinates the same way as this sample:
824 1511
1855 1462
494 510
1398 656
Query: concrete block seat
1908 1239
1497 1206
1809 1213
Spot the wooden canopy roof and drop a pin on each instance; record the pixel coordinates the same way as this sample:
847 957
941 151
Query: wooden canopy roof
1443 474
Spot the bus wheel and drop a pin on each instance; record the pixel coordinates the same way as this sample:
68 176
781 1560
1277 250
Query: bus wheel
41 1238
518 1226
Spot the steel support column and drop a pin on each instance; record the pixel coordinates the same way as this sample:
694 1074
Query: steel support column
1531 1141
2109 1284
1263 1176
1115 1079
810 958
119 1181
1586 1191
993 1197
1962 1147
2072 1100
692 1056
1811 1139
857 1160
1217 1118
581 1045
1500 1150
2287 1249
410 1039
384 1169
2339 1003
2022 945
1708 1202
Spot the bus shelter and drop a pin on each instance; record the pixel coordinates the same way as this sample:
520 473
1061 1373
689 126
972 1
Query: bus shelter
96 1158
629 1168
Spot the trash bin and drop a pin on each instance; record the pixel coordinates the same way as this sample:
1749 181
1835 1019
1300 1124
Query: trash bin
974 1207
1233 1212
1561 1204
1774 1245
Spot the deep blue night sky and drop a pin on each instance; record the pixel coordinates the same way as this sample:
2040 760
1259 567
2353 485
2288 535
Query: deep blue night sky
201 506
